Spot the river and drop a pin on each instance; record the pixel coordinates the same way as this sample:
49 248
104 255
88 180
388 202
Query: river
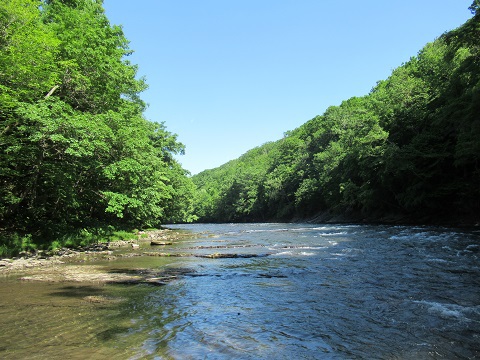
299 291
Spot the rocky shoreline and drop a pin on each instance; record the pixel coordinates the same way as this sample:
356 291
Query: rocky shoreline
77 265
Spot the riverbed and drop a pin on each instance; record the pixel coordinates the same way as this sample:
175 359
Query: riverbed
263 291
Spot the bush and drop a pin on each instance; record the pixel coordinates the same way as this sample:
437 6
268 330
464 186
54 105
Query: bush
13 244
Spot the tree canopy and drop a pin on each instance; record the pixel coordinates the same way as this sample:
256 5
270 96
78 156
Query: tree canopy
75 149
76 152
409 150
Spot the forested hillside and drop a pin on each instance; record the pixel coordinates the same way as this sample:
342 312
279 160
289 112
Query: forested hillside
407 151
78 159
76 153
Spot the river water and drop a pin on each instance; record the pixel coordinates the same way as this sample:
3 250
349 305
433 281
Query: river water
297 291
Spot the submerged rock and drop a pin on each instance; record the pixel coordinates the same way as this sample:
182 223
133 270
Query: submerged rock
97 274
160 254
157 242
235 255
101 299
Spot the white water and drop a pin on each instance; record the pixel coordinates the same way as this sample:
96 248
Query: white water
313 292
330 292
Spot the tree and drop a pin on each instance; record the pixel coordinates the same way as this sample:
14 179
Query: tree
28 49
475 7
94 75
75 149
408 148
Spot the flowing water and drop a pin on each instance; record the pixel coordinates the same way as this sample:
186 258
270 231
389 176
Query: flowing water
310 292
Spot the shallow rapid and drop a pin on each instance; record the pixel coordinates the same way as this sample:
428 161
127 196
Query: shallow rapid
298 291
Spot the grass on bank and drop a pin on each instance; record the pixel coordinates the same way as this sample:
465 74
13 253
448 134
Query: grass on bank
13 244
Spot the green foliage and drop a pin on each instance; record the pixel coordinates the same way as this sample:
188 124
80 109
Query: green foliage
13 244
85 237
231 192
28 49
409 149
475 7
75 149
123 235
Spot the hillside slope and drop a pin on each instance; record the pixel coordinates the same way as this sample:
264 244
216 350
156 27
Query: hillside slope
408 151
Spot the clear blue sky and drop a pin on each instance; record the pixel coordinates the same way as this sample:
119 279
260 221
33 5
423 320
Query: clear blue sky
230 75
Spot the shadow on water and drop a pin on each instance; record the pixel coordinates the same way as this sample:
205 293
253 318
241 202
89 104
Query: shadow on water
76 320
100 300
79 291
328 292
112 333
148 271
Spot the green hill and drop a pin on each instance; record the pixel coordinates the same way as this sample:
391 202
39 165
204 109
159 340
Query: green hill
408 151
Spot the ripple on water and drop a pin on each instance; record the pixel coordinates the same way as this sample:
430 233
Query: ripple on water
325 291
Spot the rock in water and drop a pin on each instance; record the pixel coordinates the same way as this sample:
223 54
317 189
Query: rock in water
156 242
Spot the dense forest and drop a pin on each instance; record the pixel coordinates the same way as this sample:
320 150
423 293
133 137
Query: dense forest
409 151
77 156
78 159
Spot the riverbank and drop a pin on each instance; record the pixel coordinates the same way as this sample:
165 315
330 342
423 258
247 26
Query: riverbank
81 265
329 217
78 265
386 285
